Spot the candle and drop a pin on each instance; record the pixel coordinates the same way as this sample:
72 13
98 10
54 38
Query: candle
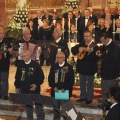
113 25
69 23
76 23
63 24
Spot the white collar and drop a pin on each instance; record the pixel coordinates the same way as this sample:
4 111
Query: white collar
60 65
28 62
88 43
57 41
109 42
113 105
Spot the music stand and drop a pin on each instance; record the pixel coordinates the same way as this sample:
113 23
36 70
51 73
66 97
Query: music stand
24 99
70 113
36 98
48 101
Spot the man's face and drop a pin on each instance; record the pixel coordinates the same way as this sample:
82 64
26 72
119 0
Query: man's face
39 13
56 36
70 15
118 24
76 13
103 41
60 58
27 35
87 13
87 37
25 57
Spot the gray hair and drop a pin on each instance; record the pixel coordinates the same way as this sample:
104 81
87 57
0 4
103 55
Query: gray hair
58 31
25 29
108 21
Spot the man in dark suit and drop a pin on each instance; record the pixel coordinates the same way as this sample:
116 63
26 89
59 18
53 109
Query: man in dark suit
86 67
110 63
93 17
107 10
84 21
4 64
38 21
117 16
57 45
47 16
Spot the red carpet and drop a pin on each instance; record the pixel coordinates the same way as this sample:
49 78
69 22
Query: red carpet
76 92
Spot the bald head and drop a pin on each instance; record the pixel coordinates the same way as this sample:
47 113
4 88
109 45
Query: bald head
60 57
26 55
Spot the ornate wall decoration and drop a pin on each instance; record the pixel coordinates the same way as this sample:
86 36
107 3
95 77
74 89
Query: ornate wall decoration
97 4
35 4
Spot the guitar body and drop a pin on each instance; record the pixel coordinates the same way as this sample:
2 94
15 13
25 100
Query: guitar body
82 54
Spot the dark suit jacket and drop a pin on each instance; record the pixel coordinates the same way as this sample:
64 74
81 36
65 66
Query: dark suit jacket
68 81
94 18
87 65
116 16
110 61
54 49
114 113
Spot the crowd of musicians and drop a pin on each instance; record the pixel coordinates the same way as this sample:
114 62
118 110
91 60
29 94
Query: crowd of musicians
45 39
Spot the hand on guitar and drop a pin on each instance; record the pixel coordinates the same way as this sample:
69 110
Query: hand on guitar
10 50
88 49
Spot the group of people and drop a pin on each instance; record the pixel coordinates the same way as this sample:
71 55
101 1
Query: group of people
29 75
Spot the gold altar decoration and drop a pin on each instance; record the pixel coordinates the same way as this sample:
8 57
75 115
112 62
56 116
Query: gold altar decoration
35 4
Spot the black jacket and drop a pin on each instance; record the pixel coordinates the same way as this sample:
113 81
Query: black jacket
67 83
110 61
87 65
33 75
114 113
5 57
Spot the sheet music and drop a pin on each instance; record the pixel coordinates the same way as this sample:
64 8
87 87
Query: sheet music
118 31
71 113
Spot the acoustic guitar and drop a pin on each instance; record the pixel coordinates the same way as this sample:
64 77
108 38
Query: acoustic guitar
83 49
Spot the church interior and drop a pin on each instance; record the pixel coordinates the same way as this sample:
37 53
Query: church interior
14 16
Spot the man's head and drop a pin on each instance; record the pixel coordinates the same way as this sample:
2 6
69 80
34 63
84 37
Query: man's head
46 12
87 36
1 33
119 10
60 57
70 14
104 38
57 34
107 10
117 23
77 13
26 55
39 13
91 10
26 33
86 13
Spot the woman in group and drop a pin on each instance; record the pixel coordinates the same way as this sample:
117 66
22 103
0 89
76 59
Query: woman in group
31 26
59 25
92 28
45 32
73 36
